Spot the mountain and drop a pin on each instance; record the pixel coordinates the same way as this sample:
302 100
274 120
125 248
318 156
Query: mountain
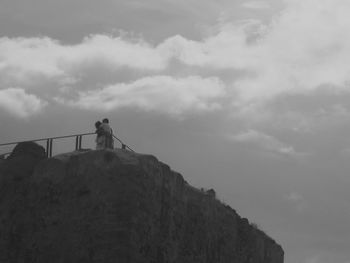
116 206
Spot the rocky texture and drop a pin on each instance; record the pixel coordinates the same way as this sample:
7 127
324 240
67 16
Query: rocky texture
116 206
29 150
23 159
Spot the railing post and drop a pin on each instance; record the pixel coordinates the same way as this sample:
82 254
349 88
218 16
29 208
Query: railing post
48 148
123 146
77 142
80 139
51 141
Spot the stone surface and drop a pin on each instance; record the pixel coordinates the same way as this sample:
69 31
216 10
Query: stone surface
23 159
28 149
117 206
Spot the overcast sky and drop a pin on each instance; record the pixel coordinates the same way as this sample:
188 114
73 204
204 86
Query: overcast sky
249 97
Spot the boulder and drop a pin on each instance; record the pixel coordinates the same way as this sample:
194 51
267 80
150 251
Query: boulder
28 148
22 160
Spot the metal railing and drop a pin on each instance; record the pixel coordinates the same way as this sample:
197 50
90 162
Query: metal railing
124 146
49 143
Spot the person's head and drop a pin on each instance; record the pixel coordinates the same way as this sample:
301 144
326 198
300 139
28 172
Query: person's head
97 124
105 120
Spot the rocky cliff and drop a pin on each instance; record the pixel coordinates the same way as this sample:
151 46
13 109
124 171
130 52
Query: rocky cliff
116 206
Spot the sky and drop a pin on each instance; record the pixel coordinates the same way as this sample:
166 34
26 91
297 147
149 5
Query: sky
249 97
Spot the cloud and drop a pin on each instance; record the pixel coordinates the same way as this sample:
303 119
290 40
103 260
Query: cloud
165 94
225 49
21 56
305 47
256 5
17 102
302 49
67 67
266 142
133 53
22 59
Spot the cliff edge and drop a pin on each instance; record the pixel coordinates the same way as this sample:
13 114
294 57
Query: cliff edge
118 206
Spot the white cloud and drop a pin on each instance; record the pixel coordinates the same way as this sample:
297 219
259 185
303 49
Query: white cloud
305 47
256 5
266 142
226 49
17 102
116 51
158 93
25 58
22 56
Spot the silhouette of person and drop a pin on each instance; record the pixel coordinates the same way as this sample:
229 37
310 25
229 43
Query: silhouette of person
100 138
108 134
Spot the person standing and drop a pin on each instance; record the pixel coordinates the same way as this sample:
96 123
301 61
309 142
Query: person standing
100 138
108 134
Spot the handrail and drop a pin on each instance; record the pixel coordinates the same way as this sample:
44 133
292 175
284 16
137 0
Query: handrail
124 146
78 142
49 138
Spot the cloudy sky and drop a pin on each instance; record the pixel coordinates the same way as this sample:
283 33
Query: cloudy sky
249 97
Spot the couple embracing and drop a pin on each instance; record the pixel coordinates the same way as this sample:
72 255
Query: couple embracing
104 138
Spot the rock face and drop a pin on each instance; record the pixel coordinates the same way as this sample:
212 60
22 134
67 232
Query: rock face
23 159
115 206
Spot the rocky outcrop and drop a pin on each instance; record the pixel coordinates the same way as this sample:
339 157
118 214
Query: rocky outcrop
23 159
117 206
